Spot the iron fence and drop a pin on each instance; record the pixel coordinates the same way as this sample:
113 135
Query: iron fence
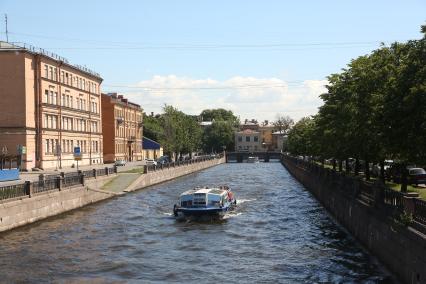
69 181
64 180
419 211
46 185
12 191
89 174
100 172
393 198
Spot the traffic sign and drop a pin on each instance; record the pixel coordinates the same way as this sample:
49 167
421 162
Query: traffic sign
77 153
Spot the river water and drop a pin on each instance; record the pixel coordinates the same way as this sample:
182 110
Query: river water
278 234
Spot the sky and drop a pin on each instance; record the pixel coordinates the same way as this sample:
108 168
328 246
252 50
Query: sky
258 58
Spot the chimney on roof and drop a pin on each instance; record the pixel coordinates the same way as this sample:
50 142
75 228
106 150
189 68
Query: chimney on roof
124 100
120 97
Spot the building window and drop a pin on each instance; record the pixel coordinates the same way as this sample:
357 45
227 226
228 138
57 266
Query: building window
54 74
50 72
47 146
63 100
46 96
255 139
66 78
62 77
240 139
247 138
46 71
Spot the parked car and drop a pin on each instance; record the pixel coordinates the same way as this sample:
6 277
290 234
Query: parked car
150 162
163 160
416 176
120 162
394 172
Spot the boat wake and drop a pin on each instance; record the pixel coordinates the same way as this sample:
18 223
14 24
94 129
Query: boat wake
231 215
241 201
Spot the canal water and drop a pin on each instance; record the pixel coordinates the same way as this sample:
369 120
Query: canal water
278 234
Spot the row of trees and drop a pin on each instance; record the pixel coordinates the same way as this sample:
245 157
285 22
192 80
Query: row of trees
375 109
177 132
181 134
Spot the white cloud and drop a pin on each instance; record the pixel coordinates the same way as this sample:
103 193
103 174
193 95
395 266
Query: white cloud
248 97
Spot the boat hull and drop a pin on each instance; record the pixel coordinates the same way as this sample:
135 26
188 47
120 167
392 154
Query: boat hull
202 211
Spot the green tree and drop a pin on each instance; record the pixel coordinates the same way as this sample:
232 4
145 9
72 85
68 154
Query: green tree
219 134
220 114
300 137
283 122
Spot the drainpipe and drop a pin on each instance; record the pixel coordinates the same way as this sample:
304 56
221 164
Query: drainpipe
58 76
90 127
38 119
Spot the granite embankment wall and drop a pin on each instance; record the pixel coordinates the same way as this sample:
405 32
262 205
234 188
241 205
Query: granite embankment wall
26 210
33 207
169 173
401 248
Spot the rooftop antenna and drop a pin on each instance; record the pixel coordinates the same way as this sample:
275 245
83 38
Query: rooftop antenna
7 35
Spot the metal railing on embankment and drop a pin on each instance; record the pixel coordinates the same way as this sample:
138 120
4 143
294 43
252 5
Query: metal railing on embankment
375 194
48 183
199 159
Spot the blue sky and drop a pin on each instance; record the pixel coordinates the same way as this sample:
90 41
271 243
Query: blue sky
258 58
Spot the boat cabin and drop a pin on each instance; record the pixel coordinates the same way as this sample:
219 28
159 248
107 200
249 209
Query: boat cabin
204 197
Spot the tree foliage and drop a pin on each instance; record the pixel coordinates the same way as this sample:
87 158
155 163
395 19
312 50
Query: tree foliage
220 133
220 114
283 122
374 109
177 132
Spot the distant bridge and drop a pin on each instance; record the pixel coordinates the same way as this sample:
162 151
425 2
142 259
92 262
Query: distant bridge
239 157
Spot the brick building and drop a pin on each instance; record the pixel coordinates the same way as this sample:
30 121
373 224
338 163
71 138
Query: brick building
122 129
49 106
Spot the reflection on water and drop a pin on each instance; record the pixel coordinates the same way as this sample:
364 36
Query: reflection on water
277 234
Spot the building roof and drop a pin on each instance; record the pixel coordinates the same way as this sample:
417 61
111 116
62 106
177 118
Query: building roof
150 144
282 132
11 46
119 99
248 131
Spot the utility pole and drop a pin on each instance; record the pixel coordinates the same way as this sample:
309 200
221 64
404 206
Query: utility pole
7 35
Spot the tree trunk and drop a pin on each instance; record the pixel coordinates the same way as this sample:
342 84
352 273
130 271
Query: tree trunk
340 165
404 181
367 170
356 167
334 164
347 166
382 171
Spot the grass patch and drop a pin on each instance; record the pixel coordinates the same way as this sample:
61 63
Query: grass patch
410 188
108 183
135 171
